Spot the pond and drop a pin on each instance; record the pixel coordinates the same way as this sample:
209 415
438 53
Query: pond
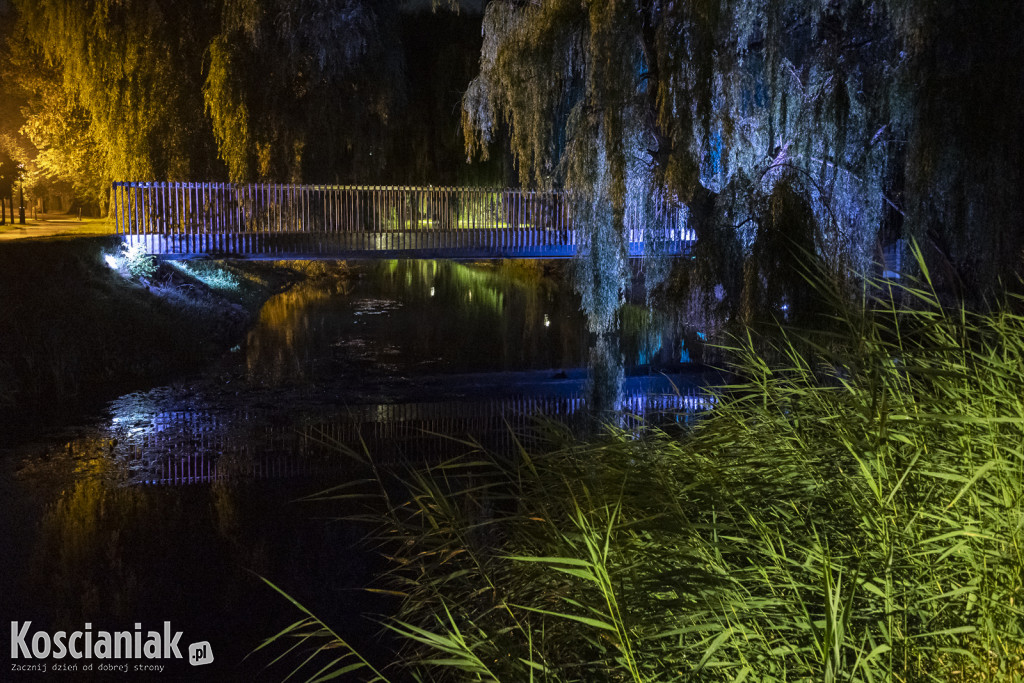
171 503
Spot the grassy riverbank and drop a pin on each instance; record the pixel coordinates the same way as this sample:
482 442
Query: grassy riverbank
75 331
856 514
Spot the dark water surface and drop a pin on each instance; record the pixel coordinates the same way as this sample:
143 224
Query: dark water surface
170 504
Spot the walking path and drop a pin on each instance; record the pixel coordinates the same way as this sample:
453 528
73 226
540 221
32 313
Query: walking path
55 224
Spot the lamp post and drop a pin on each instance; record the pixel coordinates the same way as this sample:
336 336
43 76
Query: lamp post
21 195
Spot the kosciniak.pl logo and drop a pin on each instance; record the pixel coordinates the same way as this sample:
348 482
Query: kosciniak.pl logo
29 647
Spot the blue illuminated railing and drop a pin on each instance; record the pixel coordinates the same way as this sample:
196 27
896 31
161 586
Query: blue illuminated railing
276 220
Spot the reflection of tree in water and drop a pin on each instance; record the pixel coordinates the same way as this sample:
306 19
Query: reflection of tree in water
107 552
419 313
516 298
284 320
605 378
80 562
234 522
645 334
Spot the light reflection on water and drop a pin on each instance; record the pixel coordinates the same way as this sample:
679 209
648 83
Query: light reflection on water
185 447
416 316
386 357
81 546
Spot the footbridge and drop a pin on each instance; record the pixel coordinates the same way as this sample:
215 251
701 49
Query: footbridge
279 221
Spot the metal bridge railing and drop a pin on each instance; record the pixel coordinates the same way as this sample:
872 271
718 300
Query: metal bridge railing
262 218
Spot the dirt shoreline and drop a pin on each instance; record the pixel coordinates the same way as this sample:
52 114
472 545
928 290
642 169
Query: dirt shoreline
75 332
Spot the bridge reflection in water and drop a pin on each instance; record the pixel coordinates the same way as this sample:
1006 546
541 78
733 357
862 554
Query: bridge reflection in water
196 446
263 220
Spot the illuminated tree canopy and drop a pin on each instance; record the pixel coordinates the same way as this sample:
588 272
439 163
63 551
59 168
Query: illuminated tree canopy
282 90
59 129
133 66
782 126
13 147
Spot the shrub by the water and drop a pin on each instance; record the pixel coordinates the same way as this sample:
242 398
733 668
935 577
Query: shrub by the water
137 261
855 513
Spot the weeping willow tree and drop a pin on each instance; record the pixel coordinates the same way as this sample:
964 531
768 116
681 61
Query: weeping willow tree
241 89
296 86
783 127
134 68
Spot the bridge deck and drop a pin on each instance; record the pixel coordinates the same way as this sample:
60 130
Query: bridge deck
461 244
179 220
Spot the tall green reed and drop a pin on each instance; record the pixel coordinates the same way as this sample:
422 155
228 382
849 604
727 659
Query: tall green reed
852 512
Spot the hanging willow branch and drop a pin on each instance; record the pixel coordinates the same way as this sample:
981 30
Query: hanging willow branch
710 92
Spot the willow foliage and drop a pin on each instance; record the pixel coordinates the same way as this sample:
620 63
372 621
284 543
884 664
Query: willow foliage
866 110
292 87
131 66
270 89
